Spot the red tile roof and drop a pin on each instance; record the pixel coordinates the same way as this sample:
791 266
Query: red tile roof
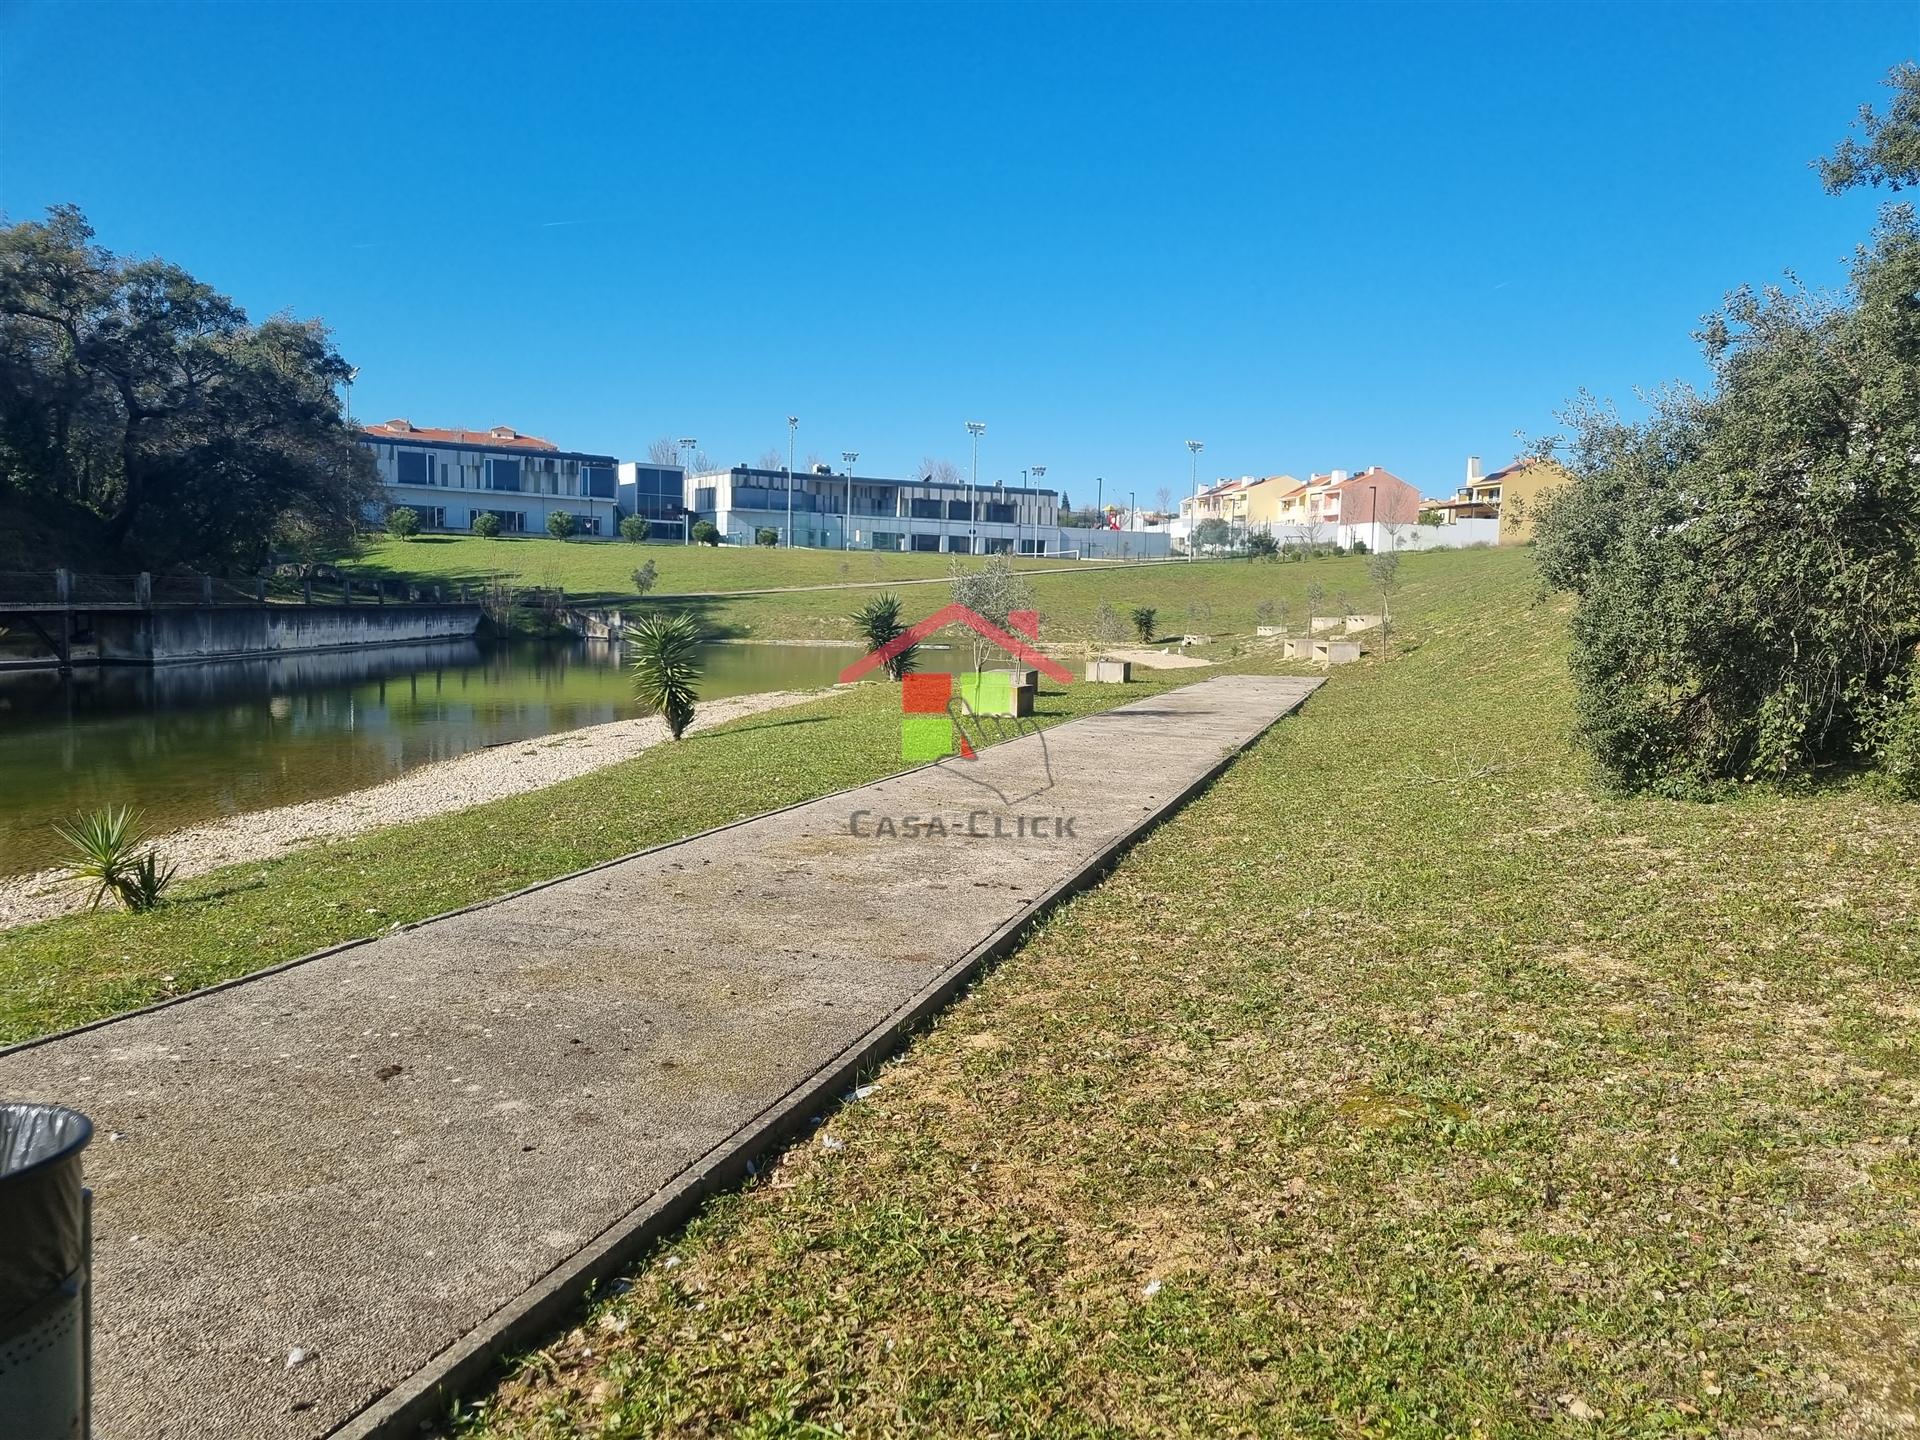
504 437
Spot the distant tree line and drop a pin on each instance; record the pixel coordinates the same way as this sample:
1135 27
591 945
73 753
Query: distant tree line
142 412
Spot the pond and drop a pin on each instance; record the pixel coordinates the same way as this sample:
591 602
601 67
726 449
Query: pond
190 743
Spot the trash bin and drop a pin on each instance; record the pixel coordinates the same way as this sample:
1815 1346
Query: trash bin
46 1246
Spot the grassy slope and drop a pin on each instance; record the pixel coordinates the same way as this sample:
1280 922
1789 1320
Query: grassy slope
240 919
1403 1084
603 568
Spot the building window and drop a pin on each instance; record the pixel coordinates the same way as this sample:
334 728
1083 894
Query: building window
512 522
959 510
927 544
925 509
503 474
412 467
998 514
600 481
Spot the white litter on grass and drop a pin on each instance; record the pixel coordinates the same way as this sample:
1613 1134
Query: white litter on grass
1152 1289
670 1262
832 1142
296 1357
860 1092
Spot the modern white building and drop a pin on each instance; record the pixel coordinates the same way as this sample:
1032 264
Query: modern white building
448 477
865 512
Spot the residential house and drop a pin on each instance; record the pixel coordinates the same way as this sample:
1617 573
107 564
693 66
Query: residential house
1509 495
448 477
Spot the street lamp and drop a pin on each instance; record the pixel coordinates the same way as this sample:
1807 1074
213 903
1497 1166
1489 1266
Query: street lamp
975 428
1194 447
1373 519
793 424
846 529
1019 523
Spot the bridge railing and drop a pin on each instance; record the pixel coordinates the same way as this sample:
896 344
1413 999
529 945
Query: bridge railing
80 590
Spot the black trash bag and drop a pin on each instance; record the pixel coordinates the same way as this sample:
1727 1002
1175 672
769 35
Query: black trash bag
41 1222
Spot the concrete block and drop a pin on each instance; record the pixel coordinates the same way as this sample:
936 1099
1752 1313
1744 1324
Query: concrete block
1336 652
1266 631
1297 647
1323 623
1196 639
1363 622
1110 672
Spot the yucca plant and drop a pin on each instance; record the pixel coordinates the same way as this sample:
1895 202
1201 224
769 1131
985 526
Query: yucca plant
104 850
878 622
666 663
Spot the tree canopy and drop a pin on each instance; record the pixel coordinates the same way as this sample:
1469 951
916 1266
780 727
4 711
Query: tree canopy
132 393
1747 559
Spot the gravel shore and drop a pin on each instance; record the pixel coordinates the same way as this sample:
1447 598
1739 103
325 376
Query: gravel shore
457 784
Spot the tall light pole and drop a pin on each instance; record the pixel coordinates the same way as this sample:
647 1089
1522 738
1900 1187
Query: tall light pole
846 529
1019 526
975 428
793 424
1373 518
1194 447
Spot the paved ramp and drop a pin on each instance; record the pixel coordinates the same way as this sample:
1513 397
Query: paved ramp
394 1156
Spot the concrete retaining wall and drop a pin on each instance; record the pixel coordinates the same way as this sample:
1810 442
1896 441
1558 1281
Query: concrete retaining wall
226 632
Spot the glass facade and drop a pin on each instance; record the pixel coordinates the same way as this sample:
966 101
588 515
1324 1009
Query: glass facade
503 474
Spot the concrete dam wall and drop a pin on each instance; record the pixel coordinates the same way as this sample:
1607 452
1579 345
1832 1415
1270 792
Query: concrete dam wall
169 636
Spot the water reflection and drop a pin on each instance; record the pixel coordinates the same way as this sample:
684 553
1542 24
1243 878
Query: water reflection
192 742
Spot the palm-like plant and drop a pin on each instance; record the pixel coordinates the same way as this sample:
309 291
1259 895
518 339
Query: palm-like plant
104 851
666 664
878 622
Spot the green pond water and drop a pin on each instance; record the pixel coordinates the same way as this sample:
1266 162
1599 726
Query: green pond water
190 743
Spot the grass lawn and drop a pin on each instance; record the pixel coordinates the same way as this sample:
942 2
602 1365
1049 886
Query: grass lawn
238 920
601 568
1405 1083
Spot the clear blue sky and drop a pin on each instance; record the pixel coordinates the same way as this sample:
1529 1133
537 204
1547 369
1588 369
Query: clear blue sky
1312 237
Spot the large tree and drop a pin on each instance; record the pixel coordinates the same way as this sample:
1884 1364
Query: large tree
131 390
1747 560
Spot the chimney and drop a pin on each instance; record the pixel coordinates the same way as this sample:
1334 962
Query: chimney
1473 470
1337 476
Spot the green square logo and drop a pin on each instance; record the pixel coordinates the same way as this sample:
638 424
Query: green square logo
988 692
926 737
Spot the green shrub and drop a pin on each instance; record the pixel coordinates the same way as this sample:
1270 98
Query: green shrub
879 624
646 577
766 535
403 522
704 533
559 524
104 851
1143 622
666 667
486 525
634 528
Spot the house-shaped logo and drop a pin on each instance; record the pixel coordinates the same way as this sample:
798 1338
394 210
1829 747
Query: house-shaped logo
947 717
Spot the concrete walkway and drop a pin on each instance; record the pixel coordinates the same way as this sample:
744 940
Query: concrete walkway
395 1156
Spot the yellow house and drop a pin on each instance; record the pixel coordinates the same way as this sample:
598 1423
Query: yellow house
1510 495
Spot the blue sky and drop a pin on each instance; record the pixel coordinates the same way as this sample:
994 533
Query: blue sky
1312 237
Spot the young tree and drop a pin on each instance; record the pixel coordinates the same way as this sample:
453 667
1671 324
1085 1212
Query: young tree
879 624
645 578
666 667
1262 546
1108 628
993 592
1163 498
1383 569
486 525
403 522
559 524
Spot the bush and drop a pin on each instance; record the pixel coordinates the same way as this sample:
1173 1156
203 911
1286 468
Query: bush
645 577
403 522
559 524
704 533
486 525
1262 546
879 624
104 851
634 528
666 653
1143 621
766 535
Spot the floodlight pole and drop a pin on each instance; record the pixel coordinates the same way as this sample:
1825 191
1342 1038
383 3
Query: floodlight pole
975 428
793 424
846 527
1195 447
